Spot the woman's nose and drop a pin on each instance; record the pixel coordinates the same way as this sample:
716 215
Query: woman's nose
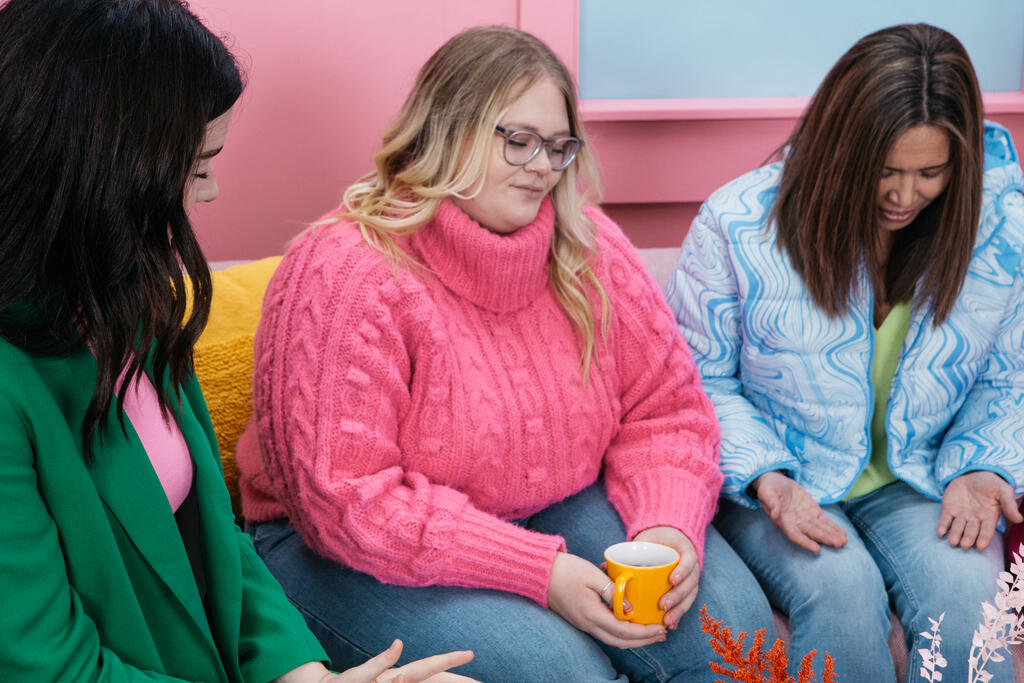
902 192
541 162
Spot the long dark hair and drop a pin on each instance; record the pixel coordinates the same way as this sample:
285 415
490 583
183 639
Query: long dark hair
825 211
103 109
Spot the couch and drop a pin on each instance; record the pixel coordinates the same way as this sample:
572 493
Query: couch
224 365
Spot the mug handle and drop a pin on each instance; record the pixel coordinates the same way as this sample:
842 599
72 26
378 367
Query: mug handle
620 594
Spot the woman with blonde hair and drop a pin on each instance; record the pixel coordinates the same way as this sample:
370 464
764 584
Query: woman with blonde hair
467 387
857 315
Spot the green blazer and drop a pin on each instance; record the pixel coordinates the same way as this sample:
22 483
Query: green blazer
94 578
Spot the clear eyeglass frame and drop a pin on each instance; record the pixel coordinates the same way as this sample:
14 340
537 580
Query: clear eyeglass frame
522 146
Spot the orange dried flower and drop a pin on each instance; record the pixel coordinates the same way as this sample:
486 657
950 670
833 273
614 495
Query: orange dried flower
806 673
757 665
828 674
777 662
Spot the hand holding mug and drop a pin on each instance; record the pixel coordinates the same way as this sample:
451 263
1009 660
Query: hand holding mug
574 594
685 576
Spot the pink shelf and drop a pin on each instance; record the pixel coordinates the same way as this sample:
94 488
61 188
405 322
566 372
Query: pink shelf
694 109
733 108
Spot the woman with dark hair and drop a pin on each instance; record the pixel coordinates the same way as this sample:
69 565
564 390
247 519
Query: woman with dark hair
857 314
467 386
120 559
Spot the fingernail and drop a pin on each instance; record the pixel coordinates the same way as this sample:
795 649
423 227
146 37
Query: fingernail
667 605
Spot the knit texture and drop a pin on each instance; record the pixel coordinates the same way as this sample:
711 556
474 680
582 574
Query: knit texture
404 414
223 357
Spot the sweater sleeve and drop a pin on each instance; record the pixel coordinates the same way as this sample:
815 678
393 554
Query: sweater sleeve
333 369
662 467
704 295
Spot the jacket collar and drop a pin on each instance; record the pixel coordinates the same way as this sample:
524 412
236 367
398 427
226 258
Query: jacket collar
129 487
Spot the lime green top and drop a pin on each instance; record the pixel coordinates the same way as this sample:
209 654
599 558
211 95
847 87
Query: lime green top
888 342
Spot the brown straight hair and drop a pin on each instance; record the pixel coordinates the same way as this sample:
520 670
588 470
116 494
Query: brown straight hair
825 211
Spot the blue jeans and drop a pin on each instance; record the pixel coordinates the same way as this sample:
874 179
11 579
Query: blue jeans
839 600
515 639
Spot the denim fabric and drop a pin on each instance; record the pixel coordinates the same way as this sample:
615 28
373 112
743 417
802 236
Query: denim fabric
356 616
839 600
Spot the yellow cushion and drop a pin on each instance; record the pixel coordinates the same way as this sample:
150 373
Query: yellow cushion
223 356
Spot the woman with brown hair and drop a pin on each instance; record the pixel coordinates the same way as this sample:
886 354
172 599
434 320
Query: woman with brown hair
857 315
467 387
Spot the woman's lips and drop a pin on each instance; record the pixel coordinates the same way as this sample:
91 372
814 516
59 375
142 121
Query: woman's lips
533 192
896 216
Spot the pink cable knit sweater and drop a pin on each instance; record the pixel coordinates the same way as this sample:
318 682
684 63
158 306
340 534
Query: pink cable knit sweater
404 414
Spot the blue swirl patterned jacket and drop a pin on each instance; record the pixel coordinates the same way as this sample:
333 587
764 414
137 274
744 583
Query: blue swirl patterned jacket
792 387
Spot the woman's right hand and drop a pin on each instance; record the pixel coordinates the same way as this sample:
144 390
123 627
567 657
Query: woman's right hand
574 593
378 670
796 514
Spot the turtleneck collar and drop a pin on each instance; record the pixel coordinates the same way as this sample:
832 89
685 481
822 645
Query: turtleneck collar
500 273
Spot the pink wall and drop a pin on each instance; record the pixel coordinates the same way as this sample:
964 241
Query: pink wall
326 76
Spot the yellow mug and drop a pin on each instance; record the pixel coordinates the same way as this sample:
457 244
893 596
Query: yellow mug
640 571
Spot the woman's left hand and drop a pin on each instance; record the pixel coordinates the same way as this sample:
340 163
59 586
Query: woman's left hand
684 577
971 507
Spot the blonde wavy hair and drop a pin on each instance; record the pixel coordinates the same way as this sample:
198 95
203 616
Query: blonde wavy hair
440 145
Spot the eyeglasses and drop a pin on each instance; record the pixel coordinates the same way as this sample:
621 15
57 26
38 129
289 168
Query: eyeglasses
521 146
